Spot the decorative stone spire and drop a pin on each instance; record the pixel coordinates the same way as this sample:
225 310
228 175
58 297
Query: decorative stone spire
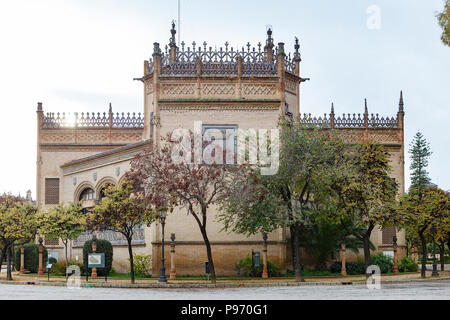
110 107
173 31
332 108
366 110
297 56
269 41
401 104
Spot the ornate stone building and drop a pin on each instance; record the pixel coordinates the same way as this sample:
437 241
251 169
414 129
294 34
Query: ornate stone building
223 88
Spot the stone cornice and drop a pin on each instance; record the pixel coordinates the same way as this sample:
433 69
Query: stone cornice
116 155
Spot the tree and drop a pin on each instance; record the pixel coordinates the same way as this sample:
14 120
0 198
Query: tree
185 184
366 193
63 222
18 222
419 151
291 198
444 22
324 237
419 211
121 210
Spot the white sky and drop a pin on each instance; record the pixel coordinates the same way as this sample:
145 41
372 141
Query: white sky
80 55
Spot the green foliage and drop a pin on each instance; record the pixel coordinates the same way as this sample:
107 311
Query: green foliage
63 222
31 256
244 268
444 22
52 260
18 220
386 263
142 265
406 264
103 246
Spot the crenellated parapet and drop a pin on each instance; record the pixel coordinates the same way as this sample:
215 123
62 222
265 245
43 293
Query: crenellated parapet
89 128
93 120
208 61
353 121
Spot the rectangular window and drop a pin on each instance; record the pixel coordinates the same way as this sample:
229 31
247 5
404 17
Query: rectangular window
388 235
51 191
228 139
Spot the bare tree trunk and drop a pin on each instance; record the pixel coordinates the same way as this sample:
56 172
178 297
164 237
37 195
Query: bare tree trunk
67 260
130 254
2 257
8 263
209 254
442 255
295 240
366 244
424 256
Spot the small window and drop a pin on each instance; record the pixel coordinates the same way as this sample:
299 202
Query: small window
51 191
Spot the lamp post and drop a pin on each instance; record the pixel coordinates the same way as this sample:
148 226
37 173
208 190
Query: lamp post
173 274
435 272
94 250
41 249
265 273
395 247
162 274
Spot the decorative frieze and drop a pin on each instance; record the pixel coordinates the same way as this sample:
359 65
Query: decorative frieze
291 86
114 237
219 107
217 90
177 90
260 90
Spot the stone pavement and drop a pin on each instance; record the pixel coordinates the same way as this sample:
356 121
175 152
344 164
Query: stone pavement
438 290
221 283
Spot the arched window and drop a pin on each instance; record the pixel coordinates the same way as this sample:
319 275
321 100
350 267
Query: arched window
102 190
87 194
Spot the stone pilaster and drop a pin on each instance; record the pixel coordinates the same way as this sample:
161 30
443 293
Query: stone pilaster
281 77
40 121
156 92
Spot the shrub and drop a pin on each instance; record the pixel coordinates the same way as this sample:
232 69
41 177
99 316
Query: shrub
60 267
103 246
142 265
407 264
386 263
31 257
244 268
353 268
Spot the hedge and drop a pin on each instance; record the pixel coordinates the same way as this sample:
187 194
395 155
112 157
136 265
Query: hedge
103 246
31 258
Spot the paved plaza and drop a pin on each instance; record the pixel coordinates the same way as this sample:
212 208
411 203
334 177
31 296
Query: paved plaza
439 290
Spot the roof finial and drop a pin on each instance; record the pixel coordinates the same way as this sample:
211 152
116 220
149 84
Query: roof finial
366 110
110 107
173 31
269 41
297 56
401 104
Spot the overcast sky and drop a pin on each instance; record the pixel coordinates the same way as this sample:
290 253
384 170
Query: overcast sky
79 55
